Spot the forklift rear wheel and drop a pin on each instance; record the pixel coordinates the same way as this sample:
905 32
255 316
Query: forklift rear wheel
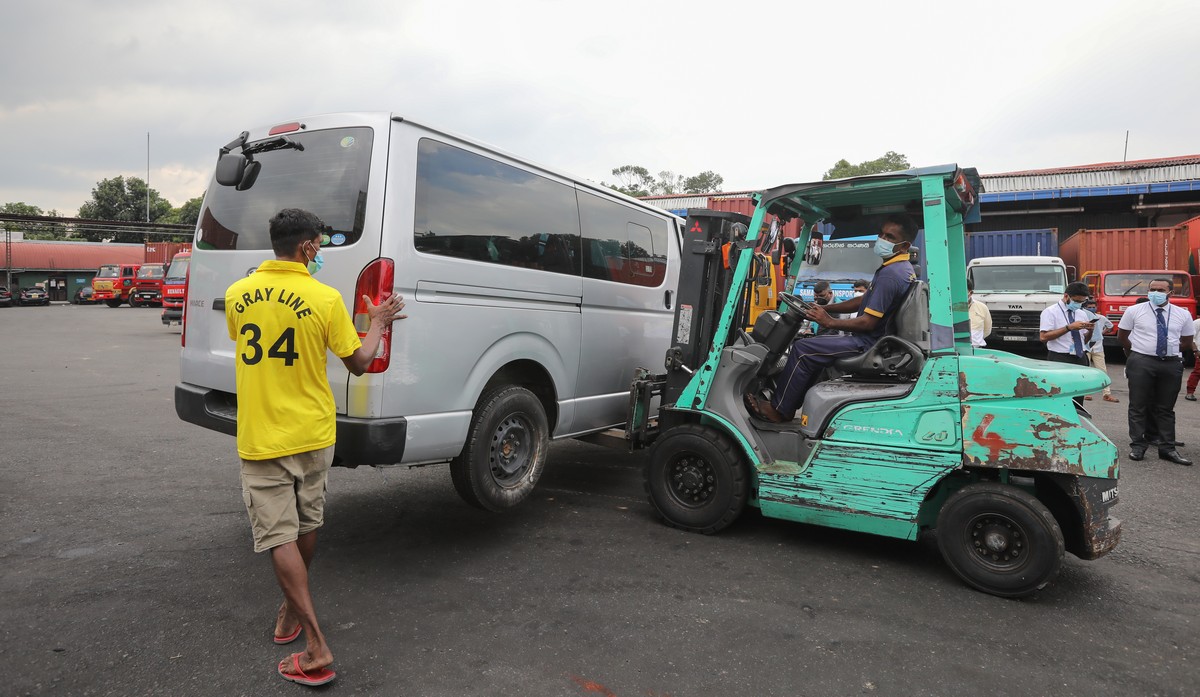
696 479
1000 539
505 451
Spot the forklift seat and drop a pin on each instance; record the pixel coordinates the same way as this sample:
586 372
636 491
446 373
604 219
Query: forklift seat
904 346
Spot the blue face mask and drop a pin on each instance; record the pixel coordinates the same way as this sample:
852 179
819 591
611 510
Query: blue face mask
1157 297
1072 305
884 248
317 262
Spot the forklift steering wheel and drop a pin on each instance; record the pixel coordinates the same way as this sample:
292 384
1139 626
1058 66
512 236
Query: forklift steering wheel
795 302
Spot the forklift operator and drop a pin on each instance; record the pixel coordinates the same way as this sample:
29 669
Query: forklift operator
809 356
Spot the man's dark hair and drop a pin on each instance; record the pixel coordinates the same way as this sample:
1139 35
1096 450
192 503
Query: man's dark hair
821 287
861 284
908 227
292 226
1169 282
1078 288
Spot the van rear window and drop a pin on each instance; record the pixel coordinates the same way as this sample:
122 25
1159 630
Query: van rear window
327 178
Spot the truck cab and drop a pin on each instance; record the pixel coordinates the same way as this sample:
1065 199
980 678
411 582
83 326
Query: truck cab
174 288
113 283
1015 290
1115 291
147 285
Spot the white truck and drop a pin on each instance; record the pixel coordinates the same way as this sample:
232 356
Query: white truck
1016 289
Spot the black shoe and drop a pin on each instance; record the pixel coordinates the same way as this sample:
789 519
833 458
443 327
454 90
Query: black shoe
1137 454
1174 456
1190 397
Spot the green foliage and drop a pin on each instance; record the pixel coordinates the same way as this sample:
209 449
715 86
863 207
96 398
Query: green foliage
123 199
891 161
33 231
187 214
636 180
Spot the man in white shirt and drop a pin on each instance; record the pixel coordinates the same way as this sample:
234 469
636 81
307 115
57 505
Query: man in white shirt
1152 335
1195 376
1065 328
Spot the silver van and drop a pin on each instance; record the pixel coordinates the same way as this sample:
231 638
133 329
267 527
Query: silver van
532 296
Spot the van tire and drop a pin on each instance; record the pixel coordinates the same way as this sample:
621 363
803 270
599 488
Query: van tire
505 451
696 479
1000 539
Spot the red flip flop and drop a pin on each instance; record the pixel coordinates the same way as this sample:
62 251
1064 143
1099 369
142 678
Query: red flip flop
290 637
320 676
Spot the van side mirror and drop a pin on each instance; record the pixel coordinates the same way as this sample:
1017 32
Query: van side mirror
230 168
249 175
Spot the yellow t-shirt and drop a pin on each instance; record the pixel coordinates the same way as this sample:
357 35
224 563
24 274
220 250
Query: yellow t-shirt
283 320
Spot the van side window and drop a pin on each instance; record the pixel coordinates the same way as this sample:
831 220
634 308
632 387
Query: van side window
473 207
621 243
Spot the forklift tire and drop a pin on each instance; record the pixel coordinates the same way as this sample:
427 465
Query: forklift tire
696 479
505 452
1000 539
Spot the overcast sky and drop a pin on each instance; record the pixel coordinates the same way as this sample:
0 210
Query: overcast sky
764 93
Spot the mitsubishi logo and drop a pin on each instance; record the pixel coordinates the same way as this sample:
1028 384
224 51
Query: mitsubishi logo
1015 319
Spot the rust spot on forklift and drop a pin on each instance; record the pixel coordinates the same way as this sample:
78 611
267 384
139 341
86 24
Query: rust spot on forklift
1027 388
1051 428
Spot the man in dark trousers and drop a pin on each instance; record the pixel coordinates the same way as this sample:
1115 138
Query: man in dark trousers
809 356
284 321
1153 334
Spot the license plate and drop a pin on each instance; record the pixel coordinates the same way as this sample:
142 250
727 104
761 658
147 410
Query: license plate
1016 338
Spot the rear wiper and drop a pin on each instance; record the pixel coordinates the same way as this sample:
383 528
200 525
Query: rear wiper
279 143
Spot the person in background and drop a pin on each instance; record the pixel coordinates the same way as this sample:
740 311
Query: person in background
1095 346
981 317
822 295
1152 335
1195 376
861 287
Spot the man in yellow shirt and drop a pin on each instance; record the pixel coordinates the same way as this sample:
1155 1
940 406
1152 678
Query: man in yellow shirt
283 320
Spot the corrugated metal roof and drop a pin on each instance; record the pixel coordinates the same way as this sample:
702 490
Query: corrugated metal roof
70 256
1103 174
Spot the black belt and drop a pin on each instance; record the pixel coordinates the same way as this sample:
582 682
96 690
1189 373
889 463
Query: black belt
1156 358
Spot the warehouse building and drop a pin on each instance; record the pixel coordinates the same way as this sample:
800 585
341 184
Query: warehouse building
58 266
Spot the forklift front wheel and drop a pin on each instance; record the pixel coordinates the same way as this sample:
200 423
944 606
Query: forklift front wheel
1000 539
696 479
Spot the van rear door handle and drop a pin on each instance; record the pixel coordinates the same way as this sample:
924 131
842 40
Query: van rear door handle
667 300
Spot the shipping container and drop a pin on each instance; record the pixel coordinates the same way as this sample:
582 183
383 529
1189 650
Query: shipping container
1147 248
1012 243
745 206
163 252
1192 227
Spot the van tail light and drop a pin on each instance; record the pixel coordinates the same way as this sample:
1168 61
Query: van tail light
376 282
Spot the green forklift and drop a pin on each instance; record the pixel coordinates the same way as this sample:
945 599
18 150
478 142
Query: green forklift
921 432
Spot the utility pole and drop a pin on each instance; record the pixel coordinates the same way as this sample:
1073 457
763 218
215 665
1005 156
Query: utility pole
1126 155
148 175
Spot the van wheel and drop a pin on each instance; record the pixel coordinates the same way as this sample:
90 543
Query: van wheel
696 479
1000 539
505 451
113 303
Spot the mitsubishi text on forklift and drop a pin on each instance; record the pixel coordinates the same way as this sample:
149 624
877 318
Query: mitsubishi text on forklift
920 432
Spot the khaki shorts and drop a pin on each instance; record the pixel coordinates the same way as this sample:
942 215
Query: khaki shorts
285 496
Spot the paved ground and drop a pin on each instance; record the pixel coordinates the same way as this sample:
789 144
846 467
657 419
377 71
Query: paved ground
126 569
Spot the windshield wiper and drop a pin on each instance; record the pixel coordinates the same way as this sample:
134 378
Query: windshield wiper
279 143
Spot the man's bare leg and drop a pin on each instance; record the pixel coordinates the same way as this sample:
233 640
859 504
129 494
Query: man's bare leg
285 622
292 574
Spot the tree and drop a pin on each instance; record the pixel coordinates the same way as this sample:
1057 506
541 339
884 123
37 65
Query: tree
632 180
705 182
891 161
668 183
187 214
124 199
33 230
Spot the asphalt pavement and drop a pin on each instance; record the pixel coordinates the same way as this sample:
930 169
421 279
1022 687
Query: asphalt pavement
126 568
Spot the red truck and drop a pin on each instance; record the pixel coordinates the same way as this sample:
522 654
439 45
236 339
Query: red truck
174 288
113 283
148 285
1117 290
